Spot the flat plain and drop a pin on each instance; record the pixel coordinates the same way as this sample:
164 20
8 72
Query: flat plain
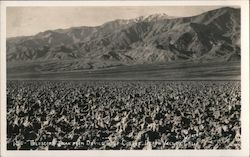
166 71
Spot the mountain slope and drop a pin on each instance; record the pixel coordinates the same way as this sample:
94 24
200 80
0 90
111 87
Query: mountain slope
211 36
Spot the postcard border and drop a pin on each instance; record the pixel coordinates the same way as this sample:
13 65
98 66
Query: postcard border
244 80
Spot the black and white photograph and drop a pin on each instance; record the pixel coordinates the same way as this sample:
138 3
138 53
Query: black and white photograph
135 78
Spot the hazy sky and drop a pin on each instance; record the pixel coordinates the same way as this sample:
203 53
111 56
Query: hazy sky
31 20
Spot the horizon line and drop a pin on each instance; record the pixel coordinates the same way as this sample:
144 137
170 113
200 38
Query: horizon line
75 27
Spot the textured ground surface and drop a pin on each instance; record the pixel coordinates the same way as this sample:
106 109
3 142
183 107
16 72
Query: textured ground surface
123 115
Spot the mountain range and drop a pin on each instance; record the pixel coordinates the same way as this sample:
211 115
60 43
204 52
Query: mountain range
212 36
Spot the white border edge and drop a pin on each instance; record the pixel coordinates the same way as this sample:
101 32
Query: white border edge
244 81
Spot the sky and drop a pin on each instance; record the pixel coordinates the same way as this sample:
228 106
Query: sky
25 21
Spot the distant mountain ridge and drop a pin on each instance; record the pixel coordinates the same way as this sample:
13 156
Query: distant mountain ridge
158 38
